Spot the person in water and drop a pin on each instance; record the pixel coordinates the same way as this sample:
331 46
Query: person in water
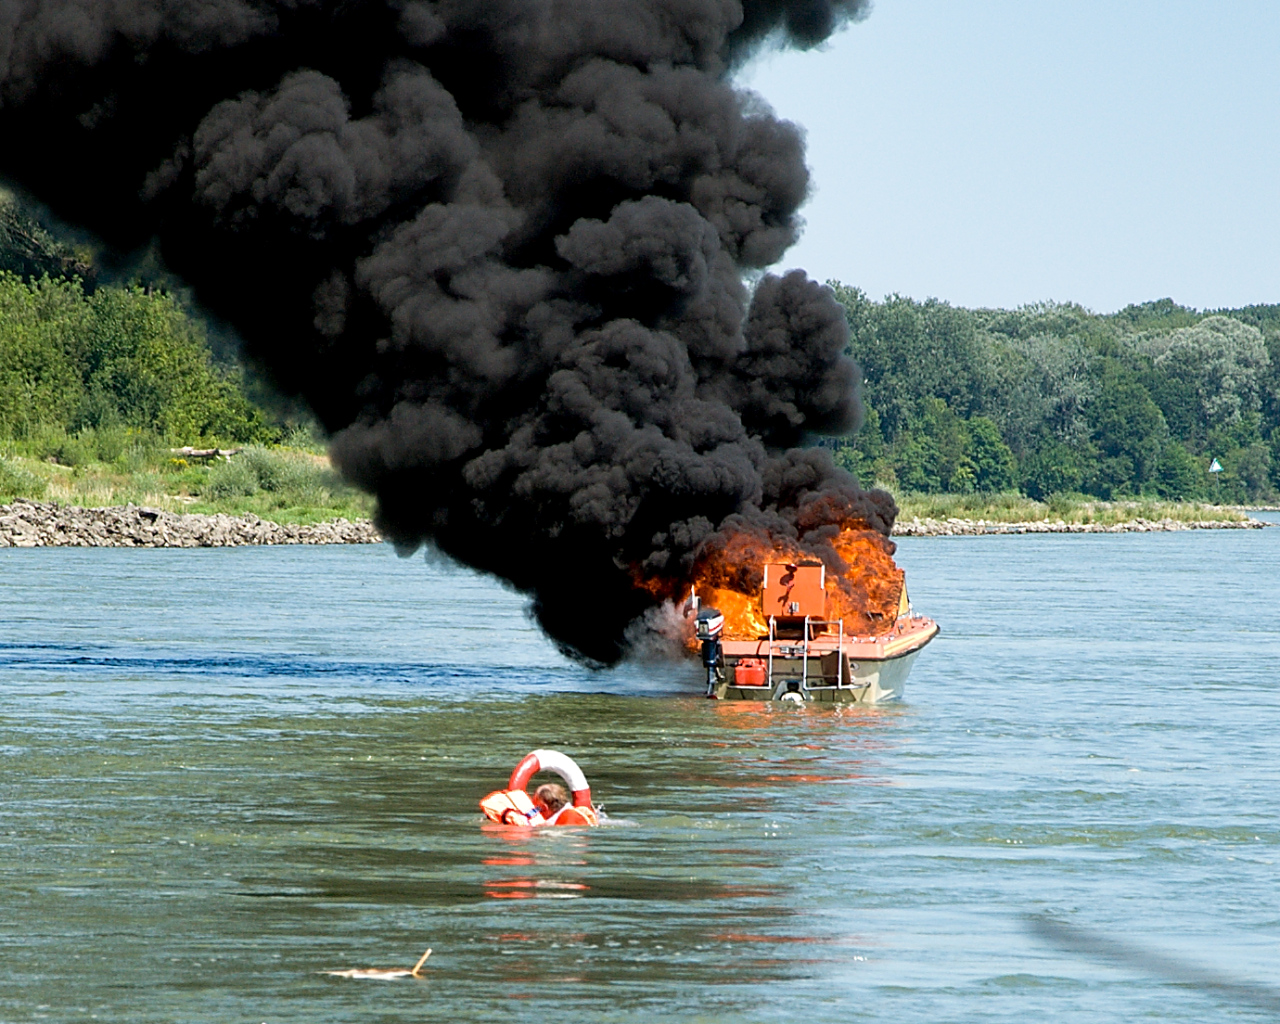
552 800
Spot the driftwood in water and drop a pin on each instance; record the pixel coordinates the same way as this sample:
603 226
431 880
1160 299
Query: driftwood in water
381 973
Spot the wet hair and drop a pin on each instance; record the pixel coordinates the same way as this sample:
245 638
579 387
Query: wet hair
553 795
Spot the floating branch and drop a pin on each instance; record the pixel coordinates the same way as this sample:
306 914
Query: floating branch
382 973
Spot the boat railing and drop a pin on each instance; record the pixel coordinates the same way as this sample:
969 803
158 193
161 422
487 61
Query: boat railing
802 650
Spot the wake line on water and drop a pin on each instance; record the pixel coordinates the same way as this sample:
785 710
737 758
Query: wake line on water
435 679
1113 952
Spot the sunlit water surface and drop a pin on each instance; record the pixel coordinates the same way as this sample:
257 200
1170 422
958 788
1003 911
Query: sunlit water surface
224 771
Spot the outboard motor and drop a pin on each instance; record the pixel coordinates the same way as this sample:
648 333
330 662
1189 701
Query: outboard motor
707 628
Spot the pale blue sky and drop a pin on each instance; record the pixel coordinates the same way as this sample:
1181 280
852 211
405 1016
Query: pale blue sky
996 153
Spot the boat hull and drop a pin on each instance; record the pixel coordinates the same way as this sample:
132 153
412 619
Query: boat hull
873 682
860 671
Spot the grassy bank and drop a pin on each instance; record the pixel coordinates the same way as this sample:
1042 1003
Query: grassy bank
281 484
297 485
1015 508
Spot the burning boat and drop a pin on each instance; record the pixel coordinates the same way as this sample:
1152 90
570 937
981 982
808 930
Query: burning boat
786 628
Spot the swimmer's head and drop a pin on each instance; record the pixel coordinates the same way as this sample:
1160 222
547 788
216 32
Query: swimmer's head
550 798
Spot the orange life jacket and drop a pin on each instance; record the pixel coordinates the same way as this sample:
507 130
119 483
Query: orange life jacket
570 815
511 807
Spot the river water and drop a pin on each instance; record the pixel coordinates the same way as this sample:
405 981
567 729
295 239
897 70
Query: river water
224 771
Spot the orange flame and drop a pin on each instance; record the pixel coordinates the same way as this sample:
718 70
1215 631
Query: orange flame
863 585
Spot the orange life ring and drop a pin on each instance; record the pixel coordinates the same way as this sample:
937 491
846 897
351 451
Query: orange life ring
511 806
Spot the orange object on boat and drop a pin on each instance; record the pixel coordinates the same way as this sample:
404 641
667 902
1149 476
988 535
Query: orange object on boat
795 590
749 672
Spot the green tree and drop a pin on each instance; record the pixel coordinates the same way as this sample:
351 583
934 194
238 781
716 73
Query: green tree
39 374
1128 432
1160 315
1179 475
995 468
910 352
148 362
942 451
914 459
1214 373
1250 472
1056 469
71 361
1039 388
862 454
1245 459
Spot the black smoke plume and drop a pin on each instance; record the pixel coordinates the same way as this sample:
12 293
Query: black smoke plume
498 245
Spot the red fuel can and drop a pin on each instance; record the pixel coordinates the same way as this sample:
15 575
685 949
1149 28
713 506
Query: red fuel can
749 672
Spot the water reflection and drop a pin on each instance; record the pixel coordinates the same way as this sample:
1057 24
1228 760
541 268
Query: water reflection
855 740
529 884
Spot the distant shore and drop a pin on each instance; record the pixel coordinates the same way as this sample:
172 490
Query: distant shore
954 527
950 515
35 524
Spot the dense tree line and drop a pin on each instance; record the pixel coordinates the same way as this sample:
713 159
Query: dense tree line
1053 398
84 366
117 358
1044 399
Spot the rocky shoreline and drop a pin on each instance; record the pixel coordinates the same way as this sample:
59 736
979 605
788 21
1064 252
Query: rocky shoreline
34 524
916 527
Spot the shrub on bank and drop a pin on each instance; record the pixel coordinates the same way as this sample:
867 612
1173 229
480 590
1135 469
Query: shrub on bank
281 485
266 480
1012 507
121 359
17 482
